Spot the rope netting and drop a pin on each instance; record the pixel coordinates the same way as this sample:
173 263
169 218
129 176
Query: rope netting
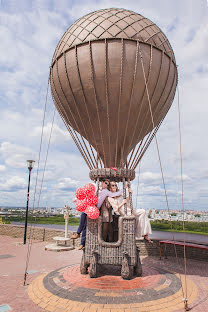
78 113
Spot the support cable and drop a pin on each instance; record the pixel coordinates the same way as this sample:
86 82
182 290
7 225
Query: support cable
139 113
137 194
139 150
36 181
132 153
182 197
46 159
131 96
124 196
45 163
153 124
145 146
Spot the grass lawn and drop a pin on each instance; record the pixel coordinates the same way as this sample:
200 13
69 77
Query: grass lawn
47 220
181 231
163 225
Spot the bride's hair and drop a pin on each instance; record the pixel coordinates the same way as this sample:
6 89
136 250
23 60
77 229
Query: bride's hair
109 186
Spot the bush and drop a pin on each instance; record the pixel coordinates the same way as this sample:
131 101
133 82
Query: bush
200 227
46 220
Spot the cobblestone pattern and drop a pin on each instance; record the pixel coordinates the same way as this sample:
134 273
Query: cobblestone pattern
13 293
156 283
157 290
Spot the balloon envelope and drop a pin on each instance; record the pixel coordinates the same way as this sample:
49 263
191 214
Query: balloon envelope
98 78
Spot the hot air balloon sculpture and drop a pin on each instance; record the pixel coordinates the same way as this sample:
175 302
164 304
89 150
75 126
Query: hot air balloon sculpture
113 79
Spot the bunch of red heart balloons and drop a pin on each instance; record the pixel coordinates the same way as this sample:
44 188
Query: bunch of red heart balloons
87 200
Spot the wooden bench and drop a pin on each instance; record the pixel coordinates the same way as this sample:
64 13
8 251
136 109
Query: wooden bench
176 243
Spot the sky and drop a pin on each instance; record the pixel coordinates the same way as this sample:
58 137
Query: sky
29 33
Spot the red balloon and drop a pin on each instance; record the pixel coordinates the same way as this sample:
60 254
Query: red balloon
92 200
80 193
92 212
81 205
89 189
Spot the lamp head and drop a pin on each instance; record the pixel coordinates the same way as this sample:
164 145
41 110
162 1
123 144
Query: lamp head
30 164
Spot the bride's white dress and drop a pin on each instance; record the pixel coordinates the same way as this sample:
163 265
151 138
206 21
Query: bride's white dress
143 226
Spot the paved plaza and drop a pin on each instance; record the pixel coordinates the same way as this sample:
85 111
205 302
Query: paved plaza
54 283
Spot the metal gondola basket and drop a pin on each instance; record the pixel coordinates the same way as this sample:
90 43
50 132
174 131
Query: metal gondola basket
121 253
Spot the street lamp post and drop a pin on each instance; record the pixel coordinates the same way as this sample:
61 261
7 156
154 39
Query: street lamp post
30 166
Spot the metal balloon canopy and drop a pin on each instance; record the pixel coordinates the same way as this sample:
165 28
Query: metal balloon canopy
113 79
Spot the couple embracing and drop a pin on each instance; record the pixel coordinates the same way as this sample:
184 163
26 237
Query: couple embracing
115 200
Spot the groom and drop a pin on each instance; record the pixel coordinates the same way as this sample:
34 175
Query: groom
102 195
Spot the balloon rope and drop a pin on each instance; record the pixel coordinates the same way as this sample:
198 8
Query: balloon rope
138 117
36 181
84 97
137 194
145 146
139 150
136 124
49 142
153 124
99 160
74 120
46 158
124 196
182 188
130 157
107 99
158 109
98 185
73 137
164 111
130 197
77 110
119 103
96 99
76 140
131 96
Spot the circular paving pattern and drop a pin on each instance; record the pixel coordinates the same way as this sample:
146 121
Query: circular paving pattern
66 289
149 278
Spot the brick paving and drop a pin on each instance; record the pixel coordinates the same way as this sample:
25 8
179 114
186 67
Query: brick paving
55 284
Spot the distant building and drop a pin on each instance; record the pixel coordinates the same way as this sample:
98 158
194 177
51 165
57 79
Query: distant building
48 209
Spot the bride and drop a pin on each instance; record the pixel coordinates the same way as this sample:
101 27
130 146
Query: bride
143 227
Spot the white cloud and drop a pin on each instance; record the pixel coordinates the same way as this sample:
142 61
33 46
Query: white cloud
67 184
150 176
29 34
13 184
14 155
2 168
184 177
58 134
